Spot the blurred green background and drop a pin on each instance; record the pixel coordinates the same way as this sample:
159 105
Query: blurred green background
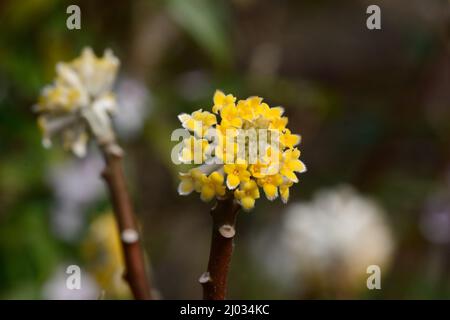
372 108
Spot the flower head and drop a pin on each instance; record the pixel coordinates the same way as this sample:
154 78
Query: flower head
243 146
79 102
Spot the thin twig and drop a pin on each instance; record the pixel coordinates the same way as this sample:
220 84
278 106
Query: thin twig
135 272
214 280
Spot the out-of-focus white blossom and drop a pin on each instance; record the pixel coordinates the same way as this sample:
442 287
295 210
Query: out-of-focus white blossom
435 220
76 184
55 287
79 102
135 101
331 240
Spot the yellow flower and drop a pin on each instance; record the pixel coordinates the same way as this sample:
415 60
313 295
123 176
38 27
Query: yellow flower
221 100
226 149
254 103
278 123
229 117
270 185
190 181
271 113
236 174
284 191
247 194
292 164
247 108
212 186
250 148
194 147
258 169
229 132
186 185
198 122
289 140
264 167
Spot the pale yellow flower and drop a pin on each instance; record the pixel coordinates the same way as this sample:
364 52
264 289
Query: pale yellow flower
270 185
284 190
198 122
212 186
79 102
236 174
192 147
247 194
291 164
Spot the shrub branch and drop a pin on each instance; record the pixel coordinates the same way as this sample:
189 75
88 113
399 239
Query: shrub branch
135 273
214 280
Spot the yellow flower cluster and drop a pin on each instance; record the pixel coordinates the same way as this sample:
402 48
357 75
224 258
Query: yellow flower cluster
219 141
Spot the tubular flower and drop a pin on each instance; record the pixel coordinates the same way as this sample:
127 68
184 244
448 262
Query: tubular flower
79 101
270 185
247 194
236 173
226 148
289 140
198 122
291 164
243 146
194 147
221 100
284 190
211 186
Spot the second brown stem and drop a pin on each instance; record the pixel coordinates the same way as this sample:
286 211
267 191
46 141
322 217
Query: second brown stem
135 272
214 280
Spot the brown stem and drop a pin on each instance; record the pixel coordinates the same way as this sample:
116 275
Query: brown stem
214 281
135 272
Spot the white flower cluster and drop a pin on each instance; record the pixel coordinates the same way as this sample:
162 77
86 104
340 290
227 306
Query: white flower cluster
332 239
79 102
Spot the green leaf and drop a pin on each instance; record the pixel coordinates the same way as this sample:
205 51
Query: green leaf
203 20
